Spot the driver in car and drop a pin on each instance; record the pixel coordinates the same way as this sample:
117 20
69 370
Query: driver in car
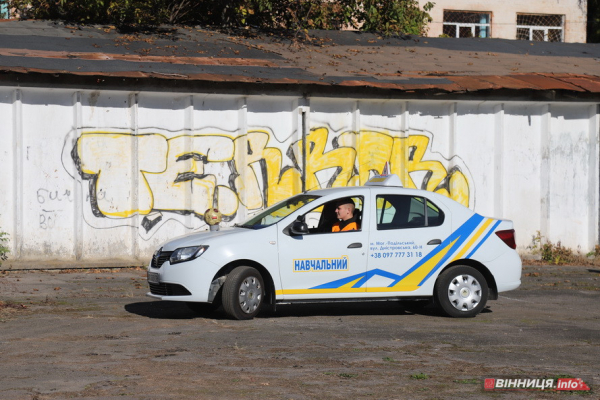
345 213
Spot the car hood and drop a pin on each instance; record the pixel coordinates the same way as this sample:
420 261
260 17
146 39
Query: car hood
205 238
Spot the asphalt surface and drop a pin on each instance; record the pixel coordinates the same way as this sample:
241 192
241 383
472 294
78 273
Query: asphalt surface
93 334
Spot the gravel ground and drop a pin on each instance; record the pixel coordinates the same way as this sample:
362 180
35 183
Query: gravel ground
93 334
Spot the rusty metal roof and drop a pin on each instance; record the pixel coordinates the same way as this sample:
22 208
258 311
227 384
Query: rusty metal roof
332 61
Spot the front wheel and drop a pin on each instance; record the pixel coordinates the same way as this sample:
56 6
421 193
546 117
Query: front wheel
243 293
461 292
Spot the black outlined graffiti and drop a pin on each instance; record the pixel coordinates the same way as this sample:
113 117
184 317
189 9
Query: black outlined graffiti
184 175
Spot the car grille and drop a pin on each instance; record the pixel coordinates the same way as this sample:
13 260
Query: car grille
160 258
168 289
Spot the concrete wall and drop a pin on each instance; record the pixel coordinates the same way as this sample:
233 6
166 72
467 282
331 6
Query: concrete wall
109 175
504 15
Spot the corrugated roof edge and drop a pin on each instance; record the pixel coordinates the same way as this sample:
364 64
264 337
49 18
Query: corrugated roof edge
547 86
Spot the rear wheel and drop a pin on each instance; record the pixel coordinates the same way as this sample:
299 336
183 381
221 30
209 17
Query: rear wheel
243 293
461 292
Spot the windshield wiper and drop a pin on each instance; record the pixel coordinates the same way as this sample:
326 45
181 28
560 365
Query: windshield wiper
242 226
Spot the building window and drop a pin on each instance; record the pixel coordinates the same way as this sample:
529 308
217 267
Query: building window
3 10
540 27
467 24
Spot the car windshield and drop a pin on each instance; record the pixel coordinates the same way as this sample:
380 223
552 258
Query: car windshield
278 211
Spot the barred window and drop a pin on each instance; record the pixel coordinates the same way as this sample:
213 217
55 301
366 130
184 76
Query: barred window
540 27
3 10
467 24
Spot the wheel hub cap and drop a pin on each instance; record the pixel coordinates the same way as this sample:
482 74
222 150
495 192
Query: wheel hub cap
250 294
464 292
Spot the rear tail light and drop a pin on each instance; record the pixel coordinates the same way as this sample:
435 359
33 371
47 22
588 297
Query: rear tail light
508 237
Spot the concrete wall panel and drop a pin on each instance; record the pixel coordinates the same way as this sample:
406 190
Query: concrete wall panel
521 168
8 218
476 126
569 170
46 194
109 175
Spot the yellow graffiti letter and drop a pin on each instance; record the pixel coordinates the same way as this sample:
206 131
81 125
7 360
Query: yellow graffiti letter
109 157
184 186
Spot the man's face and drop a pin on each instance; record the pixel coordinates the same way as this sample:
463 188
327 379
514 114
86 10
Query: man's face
343 212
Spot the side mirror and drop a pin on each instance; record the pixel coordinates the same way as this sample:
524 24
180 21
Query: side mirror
299 227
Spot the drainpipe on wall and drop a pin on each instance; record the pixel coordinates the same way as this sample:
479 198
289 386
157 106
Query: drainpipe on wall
597 133
304 122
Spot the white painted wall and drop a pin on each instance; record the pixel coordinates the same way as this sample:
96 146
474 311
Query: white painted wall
97 176
504 15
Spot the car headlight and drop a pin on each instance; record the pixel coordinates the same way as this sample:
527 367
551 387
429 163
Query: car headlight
184 254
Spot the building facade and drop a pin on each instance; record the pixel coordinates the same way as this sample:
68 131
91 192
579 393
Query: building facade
539 20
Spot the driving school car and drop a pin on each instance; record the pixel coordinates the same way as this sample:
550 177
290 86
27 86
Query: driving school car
410 244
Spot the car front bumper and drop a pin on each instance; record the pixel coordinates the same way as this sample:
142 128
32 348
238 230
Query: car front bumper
187 281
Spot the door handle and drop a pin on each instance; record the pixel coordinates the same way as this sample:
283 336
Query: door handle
434 241
355 246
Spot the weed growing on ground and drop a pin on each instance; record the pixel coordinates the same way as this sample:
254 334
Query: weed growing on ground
420 375
3 249
468 381
557 254
9 308
595 253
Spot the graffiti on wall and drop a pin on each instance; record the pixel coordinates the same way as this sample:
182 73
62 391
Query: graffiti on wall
179 177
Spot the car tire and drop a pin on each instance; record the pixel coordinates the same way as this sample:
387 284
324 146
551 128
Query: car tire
243 293
461 292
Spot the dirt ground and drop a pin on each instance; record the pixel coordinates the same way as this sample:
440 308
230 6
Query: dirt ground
94 334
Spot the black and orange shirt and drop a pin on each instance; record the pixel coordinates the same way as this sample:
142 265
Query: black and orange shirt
347 225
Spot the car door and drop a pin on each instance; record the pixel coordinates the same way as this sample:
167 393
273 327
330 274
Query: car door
322 263
406 236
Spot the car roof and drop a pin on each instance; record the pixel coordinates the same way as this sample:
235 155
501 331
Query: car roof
389 183
347 190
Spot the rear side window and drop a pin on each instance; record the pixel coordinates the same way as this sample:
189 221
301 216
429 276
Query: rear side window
435 216
400 212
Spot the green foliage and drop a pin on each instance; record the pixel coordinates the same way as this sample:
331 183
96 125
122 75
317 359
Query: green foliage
81 11
557 253
472 381
595 253
553 253
137 13
3 249
419 376
386 16
391 16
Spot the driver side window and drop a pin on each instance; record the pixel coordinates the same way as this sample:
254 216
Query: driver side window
321 219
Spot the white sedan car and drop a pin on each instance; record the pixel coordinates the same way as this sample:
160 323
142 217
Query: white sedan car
410 244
